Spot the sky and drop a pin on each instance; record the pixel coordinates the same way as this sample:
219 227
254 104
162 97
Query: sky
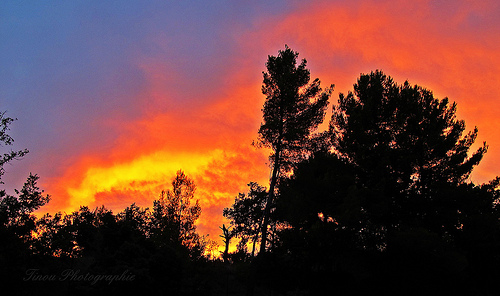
113 97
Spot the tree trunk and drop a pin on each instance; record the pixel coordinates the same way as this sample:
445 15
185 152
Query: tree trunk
226 250
270 197
254 242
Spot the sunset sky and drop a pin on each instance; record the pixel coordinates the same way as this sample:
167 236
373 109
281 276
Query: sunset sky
113 97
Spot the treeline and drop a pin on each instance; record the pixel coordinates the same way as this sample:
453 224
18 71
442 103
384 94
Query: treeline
380 203
95 251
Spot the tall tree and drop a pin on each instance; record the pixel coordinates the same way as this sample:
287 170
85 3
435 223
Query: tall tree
293 109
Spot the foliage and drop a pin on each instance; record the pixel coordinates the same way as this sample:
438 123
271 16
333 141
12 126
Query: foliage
173 217
293 109
6 139
408 150
16 212
246 215
17 221
394 190
319 189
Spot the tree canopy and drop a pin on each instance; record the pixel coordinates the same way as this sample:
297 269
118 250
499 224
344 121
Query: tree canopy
408 149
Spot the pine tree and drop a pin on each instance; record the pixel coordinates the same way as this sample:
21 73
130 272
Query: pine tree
293 109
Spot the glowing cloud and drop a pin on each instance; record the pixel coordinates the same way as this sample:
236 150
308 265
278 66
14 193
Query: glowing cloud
211 143
135 174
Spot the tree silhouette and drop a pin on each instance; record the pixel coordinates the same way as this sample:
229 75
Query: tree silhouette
173 217
16 212
246 215
17 221
391 201
408 149
319 189
6 139
226 237
294 107
320 244
382 201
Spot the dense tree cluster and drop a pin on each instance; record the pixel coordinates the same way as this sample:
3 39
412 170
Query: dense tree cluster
156 249
380 202
393 189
